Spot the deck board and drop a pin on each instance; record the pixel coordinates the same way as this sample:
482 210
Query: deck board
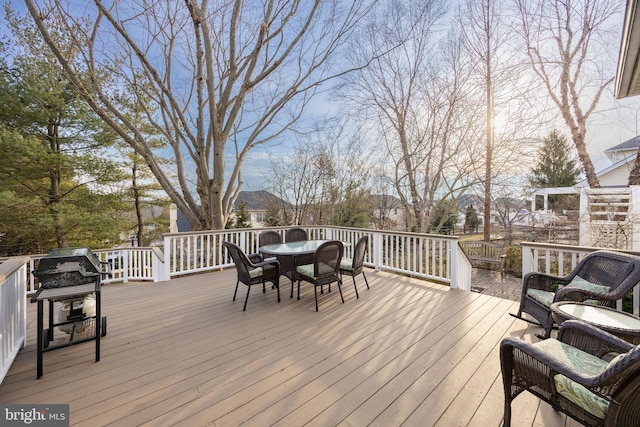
407 352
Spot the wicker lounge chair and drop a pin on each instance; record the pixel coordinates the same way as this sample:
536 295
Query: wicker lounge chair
251 273
325 268
354 266
571 375
602 277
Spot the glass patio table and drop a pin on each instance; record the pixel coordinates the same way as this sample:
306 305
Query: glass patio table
291 255
621 324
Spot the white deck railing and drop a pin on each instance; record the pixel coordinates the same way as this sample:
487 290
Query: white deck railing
13 310
559 260
427 256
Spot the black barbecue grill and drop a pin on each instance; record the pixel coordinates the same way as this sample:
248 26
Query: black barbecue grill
69 276
68 267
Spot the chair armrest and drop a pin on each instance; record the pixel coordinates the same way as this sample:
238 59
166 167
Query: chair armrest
255 258
579 295
268 261
538 367
591 339
542 281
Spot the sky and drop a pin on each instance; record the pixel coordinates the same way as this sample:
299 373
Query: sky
615 121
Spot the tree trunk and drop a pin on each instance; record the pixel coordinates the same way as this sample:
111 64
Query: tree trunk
634 176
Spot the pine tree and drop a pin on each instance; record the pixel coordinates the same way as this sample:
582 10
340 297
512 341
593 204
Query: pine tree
242 216
556 168
471 220
55 171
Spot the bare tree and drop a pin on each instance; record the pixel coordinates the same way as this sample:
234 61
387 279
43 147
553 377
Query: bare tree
223 77
498 76
326 167
562 40
414 96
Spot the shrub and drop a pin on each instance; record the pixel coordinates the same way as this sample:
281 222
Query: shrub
513 260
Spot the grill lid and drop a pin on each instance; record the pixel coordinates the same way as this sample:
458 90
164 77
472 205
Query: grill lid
68 267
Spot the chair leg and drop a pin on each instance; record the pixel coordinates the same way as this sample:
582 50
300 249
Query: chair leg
298 289
506 420
315 292
264 287
247 298
276 284
340 289
365 280
355 287
236 291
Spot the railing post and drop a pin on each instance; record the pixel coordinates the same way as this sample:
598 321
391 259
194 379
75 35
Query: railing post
583 219
125 266
527 261
377 250
452 266
167 258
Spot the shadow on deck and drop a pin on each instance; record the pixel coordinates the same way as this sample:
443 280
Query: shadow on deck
408 352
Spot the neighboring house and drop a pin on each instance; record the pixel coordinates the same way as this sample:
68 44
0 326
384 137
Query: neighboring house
149 212
257 204
387 212
622 157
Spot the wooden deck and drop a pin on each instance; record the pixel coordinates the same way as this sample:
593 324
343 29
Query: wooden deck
182 353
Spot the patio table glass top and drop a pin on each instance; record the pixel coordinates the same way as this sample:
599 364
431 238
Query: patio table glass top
292 248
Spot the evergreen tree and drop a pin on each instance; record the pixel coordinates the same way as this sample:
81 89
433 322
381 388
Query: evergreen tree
243 219
445 216
556 168
471 220
54 170
274 216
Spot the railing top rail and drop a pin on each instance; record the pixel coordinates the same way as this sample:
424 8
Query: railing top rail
573 248
11 265
324 227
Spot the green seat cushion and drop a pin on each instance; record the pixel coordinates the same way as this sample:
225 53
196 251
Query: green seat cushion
256 272
346 264
579 283
305 270
546 297
582 362
543 297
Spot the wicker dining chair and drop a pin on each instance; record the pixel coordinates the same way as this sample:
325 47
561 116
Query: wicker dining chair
269 237
251 273
578 374
295 234
355 266
324 270
601 277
